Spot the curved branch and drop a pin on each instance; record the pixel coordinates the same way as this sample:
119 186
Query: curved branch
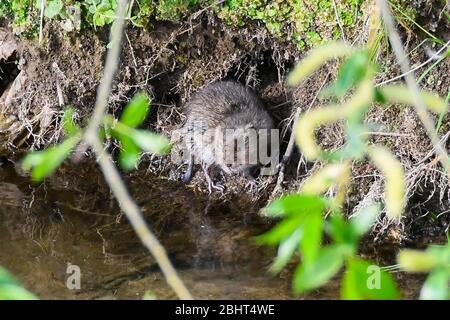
111 173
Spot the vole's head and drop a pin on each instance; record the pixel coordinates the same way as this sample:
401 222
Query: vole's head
238 150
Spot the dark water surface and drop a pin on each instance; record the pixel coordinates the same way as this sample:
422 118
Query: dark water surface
73 219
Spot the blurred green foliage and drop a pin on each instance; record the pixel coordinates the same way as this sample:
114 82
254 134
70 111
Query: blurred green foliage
435 260
309 218
132 141
10 289
303 228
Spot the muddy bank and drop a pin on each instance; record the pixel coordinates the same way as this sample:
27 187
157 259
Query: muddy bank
171 61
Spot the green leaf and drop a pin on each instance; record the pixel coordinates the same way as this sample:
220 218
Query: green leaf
356 137
440 253
281 231
315 59
417 260
302 212
350 73
146 140
294 204
129 153
10 290
6 277
136 111
68 124
379 97
402 95
342 232
366 281
436 287
14 292
151 142
286 249
99 20
53 8
312 236
108 16
113 4
312 275
44 163
364 219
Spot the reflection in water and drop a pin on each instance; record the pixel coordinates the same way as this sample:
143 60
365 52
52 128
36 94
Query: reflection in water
73 219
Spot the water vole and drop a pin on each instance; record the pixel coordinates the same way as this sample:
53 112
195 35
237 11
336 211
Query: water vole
225 121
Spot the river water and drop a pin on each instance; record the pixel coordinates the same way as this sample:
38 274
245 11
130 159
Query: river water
72 219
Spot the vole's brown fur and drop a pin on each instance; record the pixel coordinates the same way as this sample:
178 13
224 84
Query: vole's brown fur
220 106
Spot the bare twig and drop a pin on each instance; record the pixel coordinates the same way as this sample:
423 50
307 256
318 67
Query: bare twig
338 20
131 50
419 104
59 92
41 23
286 156
130 9
290 148
112 61
137 221
388 134
110 172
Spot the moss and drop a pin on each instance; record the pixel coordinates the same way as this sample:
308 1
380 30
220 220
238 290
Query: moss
23 13
174 10
305 22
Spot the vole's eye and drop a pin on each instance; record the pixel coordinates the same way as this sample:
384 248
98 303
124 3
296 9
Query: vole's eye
255 171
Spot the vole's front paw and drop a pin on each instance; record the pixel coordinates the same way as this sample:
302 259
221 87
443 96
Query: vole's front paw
215 186
252 185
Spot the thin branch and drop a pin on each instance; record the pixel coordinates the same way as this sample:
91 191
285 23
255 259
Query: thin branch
419 104
112 61
111 173
338 20
130 9
41 22
137 221
388 134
